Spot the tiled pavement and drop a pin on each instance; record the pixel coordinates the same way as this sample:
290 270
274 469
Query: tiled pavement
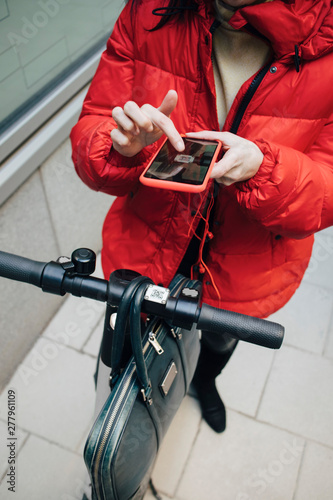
279 440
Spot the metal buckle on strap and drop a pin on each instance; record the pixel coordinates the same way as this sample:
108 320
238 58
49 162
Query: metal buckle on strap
146 394
176 333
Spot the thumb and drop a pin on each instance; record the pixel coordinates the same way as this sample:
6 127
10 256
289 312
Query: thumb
169 103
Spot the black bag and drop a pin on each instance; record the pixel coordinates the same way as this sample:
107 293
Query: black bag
123 443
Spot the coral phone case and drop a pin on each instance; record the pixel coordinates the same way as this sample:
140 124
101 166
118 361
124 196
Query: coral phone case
188 171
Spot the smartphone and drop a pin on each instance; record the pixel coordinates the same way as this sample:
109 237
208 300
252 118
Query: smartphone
187 171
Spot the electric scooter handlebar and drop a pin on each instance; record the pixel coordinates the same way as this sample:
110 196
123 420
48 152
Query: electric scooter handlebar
247 328
73 276
19 268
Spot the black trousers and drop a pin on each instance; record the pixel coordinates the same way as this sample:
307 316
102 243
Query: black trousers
219 343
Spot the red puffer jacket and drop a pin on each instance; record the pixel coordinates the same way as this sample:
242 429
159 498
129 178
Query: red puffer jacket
263 227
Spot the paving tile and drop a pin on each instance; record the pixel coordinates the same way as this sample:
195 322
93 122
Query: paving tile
92 346
56 394
4 441
316 479
243 379
250 460
176 447
75 321
46 471
298 395
149 496
102 393
327 232
306 317
329 342
98 273
318 272
25 309
75 227
80 448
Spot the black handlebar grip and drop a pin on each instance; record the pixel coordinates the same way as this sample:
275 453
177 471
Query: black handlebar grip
254 330
19 268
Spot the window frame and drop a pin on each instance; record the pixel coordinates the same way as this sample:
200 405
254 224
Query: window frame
38 133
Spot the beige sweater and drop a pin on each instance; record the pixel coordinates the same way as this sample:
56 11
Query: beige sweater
237 56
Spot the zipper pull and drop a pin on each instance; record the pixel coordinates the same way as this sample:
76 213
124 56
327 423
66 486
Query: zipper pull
153 341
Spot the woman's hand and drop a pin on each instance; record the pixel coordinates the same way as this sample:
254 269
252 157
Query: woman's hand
241 159
139 127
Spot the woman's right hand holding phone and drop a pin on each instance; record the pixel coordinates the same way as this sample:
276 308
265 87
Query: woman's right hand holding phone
138 127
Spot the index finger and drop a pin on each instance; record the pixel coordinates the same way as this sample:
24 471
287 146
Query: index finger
165 124
227 138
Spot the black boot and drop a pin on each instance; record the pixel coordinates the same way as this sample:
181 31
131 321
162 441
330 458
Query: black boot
209 366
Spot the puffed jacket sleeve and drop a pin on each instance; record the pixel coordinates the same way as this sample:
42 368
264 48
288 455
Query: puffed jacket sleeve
95 161
292 192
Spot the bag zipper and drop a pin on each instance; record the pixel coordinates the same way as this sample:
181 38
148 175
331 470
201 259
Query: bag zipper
108 427
107 430
154 342
131 379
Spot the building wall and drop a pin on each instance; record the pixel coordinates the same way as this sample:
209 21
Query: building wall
51 214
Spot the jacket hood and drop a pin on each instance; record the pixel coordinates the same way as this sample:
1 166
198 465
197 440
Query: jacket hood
307 24
294 28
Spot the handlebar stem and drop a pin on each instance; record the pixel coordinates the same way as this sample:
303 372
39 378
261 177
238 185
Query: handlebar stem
84 286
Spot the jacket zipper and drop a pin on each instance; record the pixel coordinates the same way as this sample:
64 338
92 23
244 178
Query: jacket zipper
212 30
214 26
250 91
248 97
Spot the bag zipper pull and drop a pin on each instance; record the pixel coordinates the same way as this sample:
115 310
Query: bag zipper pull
153 341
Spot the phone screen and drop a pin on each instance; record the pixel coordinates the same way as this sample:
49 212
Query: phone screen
188 167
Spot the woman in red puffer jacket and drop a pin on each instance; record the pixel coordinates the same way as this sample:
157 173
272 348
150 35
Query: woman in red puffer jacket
257 76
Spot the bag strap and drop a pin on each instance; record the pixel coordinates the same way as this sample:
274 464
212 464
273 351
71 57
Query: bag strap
135 330
121 321
136 340
130 307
